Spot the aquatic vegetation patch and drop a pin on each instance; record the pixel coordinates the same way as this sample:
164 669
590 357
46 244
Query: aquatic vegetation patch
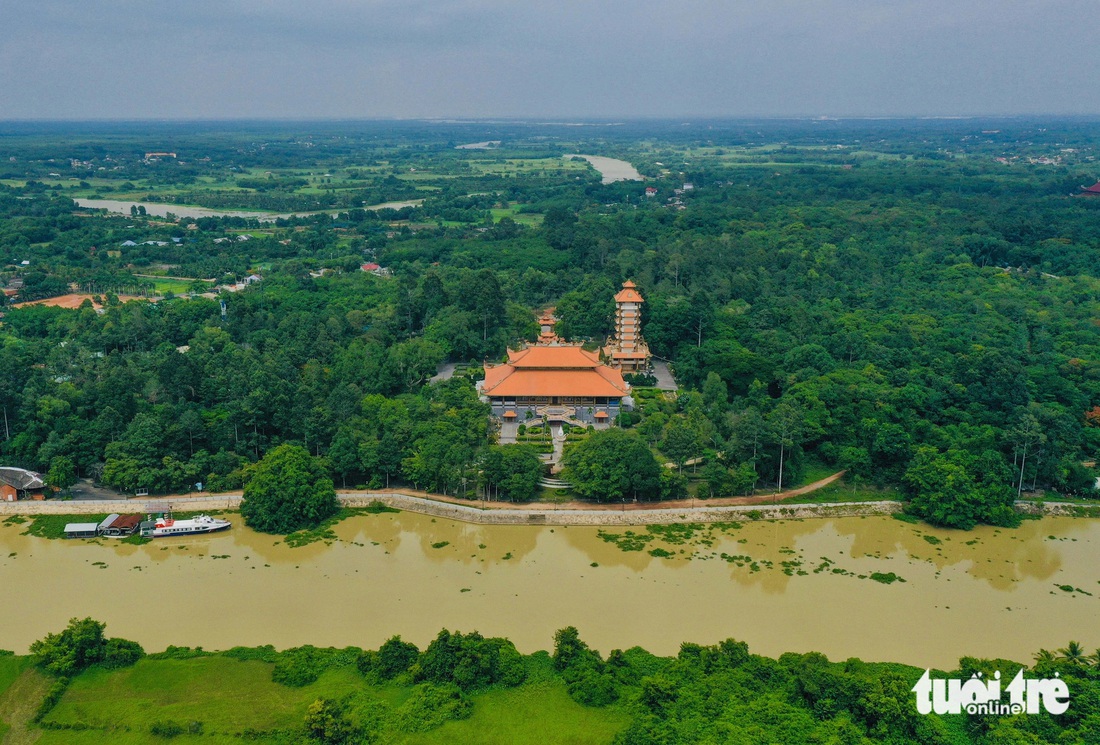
905 517
627 541
676 534
886 578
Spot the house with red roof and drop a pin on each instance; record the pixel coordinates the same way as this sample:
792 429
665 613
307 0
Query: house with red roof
19 483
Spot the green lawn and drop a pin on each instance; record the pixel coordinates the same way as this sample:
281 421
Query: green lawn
229 696
207 689
536 713
10 667
175 286
815 472
840 491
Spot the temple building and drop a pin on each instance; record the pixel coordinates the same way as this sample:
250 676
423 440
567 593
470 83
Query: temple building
546 329
556 381
626 350
559 381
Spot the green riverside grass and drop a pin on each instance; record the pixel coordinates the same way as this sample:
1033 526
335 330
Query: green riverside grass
232 698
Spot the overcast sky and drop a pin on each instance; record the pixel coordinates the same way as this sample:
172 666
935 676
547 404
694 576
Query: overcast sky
202 59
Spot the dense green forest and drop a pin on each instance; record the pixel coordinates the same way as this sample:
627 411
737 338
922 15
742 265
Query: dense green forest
464 687
915 302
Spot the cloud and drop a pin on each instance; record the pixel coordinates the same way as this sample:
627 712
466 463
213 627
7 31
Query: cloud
369 58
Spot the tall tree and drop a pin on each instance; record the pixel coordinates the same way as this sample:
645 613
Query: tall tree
288 491
1026 435
787 427
612 465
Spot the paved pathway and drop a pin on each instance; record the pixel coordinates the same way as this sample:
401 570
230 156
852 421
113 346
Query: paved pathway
444 372
663 373
678 504
559 445
508 433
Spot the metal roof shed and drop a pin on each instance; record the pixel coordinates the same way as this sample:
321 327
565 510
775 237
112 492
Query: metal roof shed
81 530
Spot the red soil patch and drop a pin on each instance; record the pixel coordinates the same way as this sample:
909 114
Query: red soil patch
74 300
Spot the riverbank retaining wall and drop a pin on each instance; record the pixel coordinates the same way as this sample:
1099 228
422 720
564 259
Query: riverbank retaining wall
528 514
107 506
532 515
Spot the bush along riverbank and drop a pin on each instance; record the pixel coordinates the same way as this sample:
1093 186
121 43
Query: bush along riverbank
464 687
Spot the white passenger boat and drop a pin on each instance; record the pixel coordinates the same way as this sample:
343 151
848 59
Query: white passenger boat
166 525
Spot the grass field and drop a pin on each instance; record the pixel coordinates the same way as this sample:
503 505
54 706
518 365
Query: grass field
540 712
176 286
840 491
814 471
205 689
10 667
230 697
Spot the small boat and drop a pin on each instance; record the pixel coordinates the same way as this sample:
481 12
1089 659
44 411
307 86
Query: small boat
166 525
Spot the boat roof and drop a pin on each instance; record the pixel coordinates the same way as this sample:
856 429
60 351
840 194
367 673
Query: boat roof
81 527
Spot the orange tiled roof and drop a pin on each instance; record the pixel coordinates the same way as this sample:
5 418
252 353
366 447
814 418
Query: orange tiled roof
555 358
628 294
579 383
554 371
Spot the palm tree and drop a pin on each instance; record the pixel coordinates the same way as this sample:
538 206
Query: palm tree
1044 656
1073 653
1094 659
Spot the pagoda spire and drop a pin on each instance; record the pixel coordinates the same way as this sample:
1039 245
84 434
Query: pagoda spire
627 350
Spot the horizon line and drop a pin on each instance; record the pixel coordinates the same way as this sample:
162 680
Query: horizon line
556 120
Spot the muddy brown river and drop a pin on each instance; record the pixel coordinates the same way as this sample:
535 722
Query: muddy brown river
780 586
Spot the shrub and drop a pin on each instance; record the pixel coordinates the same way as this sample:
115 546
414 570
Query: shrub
121 653
53 695
591 686
180 653
265 653
301 666
167 730
587 678
430 705
470 661
395 657
82 644
328 721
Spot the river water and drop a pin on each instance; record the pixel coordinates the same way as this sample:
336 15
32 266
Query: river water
612 169
989 592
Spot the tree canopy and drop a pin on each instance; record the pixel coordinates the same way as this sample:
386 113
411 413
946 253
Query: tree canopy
612 465
288 491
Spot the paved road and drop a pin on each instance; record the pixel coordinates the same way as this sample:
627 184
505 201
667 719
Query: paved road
663 373
85 489
444 372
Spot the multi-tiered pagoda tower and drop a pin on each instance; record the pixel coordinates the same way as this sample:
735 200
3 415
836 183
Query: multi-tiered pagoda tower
627 350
